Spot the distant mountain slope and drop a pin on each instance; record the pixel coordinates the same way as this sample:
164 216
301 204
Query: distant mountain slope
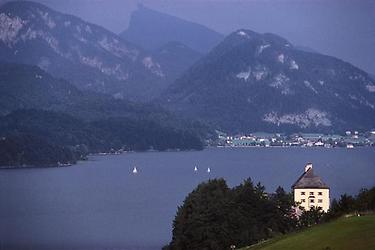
260 82
176 58
24 86
85 54
29 87
305 48
152 29
44 120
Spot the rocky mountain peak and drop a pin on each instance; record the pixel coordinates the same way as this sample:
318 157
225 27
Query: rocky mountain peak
88 55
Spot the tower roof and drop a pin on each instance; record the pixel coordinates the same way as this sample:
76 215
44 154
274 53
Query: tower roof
309 180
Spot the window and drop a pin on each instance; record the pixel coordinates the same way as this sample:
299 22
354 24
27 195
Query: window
311 193
303 200
302 193
312 201
320 201
320 193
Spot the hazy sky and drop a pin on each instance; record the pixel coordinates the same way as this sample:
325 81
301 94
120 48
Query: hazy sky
342 28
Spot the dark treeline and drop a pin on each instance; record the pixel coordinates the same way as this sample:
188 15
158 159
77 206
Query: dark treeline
36 137
214 216
363 202
26 149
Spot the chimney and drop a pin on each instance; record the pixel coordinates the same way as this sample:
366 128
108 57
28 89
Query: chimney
308 166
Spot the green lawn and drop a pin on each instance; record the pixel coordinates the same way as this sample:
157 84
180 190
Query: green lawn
356 233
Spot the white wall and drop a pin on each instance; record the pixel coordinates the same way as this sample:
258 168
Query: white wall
305 200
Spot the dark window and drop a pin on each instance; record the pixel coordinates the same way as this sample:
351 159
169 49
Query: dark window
311 193
312 201
320 193
302 193
320 201
303 200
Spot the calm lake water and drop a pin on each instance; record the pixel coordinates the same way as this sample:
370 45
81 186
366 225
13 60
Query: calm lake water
99 204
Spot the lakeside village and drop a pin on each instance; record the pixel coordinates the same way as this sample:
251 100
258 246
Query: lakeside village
350 139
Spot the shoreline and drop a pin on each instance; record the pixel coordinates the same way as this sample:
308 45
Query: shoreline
174 151
56 165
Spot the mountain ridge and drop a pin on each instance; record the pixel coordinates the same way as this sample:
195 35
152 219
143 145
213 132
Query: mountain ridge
268 85
85 54
176 57
44 120
147 25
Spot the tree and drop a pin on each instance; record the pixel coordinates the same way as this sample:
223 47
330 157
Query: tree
365 200
254 213
311 217
204 220
346 203
284 203
214 216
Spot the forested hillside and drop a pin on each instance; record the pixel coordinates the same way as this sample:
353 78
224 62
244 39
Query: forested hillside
37 107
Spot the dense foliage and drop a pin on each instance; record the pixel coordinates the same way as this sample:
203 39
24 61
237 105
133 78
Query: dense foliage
215 216
36 137
23 150
363 202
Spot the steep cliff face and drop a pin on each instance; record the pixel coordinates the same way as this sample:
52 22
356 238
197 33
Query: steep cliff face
152 29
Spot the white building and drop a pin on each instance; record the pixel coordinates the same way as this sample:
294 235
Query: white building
310 191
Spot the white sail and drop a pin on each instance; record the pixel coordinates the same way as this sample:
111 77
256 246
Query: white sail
195 169
135 171
208 170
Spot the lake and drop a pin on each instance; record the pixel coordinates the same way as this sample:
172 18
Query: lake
100 204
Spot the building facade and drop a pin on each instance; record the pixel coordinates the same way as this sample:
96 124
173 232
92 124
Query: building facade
310 191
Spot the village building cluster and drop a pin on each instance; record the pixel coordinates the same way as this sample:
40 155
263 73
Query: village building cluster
349 140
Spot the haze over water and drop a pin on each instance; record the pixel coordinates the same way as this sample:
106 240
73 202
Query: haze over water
100 203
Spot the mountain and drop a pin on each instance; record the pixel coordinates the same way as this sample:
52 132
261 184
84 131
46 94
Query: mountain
87 55
67 123
175 58
260 82
151 29
305 48
29 87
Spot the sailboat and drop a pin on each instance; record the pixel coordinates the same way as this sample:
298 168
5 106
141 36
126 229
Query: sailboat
195 169
135 171
208 170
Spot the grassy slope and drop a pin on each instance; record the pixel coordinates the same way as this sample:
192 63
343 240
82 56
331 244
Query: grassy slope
346 233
